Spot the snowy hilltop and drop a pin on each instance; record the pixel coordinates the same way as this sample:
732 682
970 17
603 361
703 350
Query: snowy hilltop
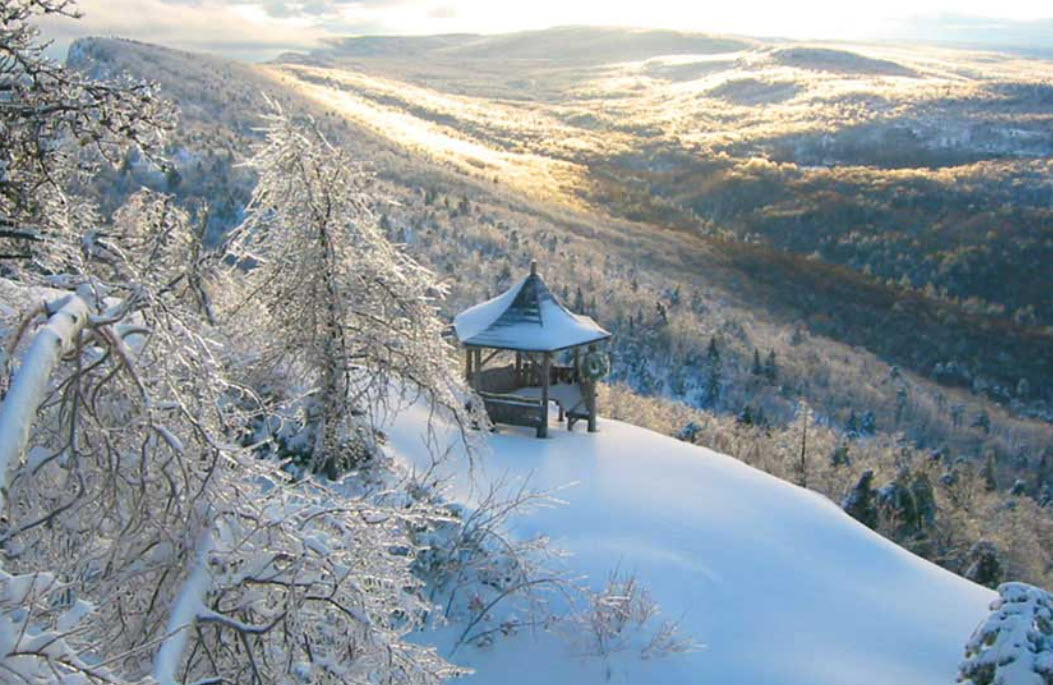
775 582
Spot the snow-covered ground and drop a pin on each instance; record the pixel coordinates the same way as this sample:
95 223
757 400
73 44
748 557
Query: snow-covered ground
780 586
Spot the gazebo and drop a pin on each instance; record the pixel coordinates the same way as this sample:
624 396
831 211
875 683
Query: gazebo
526 327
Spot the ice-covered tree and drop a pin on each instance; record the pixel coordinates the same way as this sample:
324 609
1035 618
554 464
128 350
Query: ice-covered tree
1014 645
338 306
139 542
56 127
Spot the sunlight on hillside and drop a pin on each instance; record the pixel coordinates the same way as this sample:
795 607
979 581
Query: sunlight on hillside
539 176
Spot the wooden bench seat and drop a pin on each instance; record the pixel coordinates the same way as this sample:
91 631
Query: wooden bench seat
514 410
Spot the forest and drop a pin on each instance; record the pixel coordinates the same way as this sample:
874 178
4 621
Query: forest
221 279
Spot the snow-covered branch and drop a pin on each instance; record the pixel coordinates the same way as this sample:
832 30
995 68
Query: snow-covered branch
68 317
189 604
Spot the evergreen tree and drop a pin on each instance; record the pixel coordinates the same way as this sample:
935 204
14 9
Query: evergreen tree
985 565
689 433
859 502
1044 471
901 404
663 315
172 178
771 369
1014 646
852 425
756 369
840 456
713 374
924 500
896 507
987 473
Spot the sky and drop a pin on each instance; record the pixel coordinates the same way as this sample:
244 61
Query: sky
259 29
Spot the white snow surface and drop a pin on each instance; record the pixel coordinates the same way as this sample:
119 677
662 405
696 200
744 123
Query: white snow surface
557 327
779 585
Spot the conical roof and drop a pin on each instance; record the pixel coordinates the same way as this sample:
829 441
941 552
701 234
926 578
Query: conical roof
526 317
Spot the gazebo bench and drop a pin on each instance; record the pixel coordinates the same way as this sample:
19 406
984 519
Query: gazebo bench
515 410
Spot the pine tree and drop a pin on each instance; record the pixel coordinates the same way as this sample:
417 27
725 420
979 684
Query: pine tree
988 473
924 499
756 369
1015 644
840 456
771 369
713 374
852 425
985 564
859 502
897 508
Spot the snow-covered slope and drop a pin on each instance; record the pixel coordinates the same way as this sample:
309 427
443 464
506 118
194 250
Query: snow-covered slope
778 584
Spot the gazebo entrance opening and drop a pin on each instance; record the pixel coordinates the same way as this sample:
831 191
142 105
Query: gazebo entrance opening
524 349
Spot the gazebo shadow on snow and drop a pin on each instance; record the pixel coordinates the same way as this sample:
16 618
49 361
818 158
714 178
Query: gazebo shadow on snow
523 331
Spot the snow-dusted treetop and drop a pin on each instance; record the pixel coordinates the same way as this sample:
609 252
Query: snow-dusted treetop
526 317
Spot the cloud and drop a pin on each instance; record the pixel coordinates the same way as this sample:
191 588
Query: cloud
443 12
259 29
246 29
236 28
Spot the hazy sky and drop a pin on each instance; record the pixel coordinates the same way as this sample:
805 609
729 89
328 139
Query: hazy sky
258 28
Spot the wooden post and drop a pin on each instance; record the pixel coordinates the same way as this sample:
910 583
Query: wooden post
590 395
468 365
546 364
519 368
591 401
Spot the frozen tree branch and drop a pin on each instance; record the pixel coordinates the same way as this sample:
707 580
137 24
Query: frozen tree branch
67 319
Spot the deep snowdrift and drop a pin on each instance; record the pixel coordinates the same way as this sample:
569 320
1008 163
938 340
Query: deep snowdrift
778 584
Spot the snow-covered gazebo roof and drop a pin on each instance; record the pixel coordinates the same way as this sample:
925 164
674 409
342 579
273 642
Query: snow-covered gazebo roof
527 317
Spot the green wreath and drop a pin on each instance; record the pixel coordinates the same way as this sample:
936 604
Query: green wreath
595 366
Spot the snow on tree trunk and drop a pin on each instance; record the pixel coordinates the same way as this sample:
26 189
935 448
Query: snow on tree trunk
68 318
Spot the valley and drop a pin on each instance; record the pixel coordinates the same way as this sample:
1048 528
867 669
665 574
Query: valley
670 239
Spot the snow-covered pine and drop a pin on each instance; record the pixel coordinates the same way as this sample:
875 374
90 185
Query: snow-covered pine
332 303
1014 645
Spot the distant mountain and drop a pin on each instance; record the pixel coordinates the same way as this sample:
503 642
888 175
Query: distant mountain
579 44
